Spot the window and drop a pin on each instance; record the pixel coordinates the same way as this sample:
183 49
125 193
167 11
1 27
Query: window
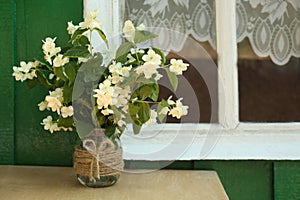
235 136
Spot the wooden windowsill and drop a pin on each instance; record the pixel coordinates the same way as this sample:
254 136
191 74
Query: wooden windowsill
26 182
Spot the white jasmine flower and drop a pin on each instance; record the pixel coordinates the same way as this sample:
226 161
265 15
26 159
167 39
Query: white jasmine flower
136 50
49 124
49 47
153 116
82 60
72 28
19 76
48 57
25 71
130 58
121 96
107 111
103 100
177 66
115 78
148 69
66 111
105 87
104 94
54 104
152 57
129 31
60 61
121 123
125 71
164 111
158 76
51 76
54 127
115 68
31 75
141 27
65 129
57 93
170 102
90 21
125 108
25 67
43 105
179 110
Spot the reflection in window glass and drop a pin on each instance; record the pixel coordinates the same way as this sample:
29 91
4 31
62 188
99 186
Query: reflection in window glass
267 92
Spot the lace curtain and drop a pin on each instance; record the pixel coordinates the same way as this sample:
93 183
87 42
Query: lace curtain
272 26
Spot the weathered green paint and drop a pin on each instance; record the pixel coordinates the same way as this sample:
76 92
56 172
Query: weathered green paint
287 180
37 20
7 55
243 180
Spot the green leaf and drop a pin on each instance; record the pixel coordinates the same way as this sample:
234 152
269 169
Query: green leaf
65 122
70 72
67 93
155 91
59 72
147 91
173 79
77 34
117 112
110 131
162 55
136 128
42 79
133 110
144 112
123 51
160 106
141 36
77 52
102 35
31 83
83 41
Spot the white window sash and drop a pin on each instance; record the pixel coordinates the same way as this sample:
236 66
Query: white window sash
230 139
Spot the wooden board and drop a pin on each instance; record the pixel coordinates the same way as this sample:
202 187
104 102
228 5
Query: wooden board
60 183
287 180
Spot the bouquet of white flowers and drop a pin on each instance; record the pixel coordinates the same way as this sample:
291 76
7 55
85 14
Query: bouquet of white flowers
84 91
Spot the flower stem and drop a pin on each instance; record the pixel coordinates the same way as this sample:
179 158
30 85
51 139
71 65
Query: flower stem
142 101
91 47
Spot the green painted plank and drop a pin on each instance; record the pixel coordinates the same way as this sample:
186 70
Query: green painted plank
139 164
243 180
7 56
36 20
287 180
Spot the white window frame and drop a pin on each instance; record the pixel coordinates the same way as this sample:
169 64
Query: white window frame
234 139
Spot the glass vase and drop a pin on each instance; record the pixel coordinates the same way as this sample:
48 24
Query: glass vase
98 162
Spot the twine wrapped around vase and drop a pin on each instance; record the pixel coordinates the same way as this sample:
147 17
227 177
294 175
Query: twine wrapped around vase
105 160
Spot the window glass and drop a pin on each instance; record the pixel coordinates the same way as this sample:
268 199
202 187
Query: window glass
268 60
186 31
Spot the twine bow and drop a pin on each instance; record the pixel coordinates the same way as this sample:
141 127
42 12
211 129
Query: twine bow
96 150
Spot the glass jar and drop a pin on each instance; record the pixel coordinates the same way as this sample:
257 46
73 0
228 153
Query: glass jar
98 162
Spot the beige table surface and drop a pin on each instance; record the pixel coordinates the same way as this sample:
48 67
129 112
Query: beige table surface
22 182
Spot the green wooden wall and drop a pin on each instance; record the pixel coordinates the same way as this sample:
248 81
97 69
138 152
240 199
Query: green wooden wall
23 24
36 20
